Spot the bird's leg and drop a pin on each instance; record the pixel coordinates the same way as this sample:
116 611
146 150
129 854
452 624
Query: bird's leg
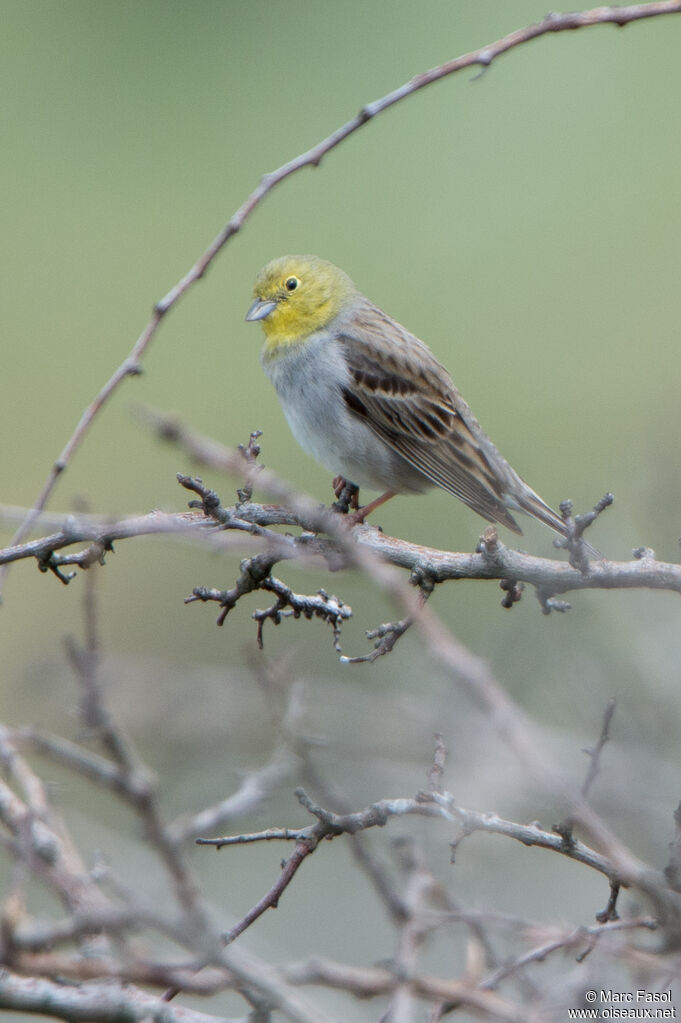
361 513
346 494
338 482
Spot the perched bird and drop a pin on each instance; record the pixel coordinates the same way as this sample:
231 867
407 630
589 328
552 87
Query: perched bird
371 402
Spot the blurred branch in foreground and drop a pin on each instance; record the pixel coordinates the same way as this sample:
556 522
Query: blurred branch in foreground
92 962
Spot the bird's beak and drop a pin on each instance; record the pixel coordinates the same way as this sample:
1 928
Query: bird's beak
260 308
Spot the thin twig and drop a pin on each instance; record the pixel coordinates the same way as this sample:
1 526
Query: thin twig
257 785
594 753
271 898
564 829
572 939
431 804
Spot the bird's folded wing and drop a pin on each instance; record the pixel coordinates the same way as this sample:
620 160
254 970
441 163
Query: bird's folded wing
406 397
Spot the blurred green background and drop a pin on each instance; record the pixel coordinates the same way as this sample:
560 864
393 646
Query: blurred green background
525 223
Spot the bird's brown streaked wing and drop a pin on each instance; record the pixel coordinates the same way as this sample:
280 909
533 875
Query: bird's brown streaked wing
407 399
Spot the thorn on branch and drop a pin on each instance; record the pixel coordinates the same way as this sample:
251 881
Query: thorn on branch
574 541
489 543
643 553
50 564
565 828
313 808
594 752
91 555
550 603
464 832
491 547
610 913
249 453
211 506
484 61
209 502
387 634
437 768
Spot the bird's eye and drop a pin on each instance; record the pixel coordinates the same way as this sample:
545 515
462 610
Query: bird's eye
291 283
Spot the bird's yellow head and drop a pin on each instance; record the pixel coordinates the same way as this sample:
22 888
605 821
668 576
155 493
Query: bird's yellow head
294 296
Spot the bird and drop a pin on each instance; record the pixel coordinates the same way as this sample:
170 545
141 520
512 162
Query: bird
369 400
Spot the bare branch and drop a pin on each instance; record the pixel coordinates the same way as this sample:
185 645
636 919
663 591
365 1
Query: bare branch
545 574
594 753
96 1002
419 886
528 834
673 869
372 982
431 804
580 937
437 769
271 898
329 825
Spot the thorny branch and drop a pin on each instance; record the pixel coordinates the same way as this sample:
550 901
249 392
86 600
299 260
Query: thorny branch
429 804
325 538
434 803
102 925
113 922
417 917
483 58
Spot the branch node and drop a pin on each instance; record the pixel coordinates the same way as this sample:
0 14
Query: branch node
594 753
610 913
489 543
643 553
550 603
564 829
573 541
437 768
513 590
317 811
249 453
484 61
50 563
209 502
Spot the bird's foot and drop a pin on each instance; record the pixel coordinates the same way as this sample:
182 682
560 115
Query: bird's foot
346 495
